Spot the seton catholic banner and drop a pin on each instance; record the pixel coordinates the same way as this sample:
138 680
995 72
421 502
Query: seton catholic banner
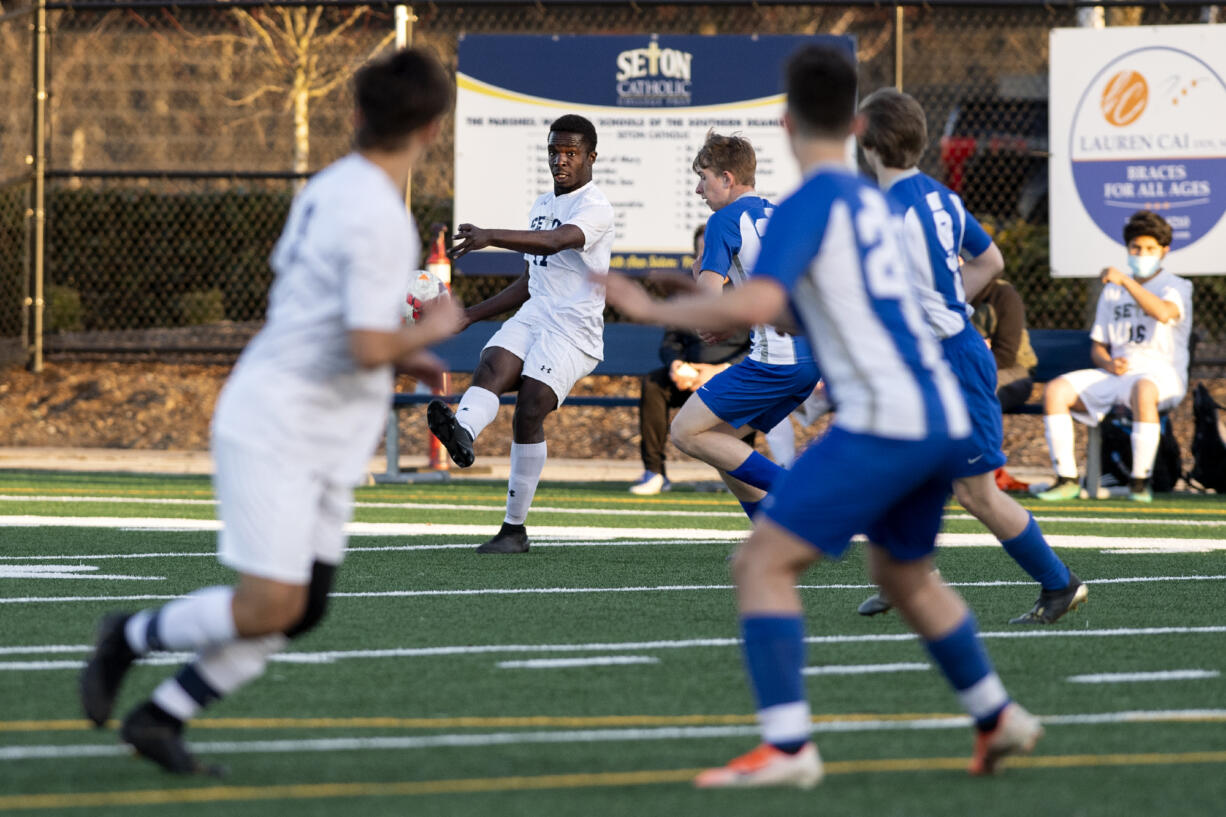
1138 122
652 99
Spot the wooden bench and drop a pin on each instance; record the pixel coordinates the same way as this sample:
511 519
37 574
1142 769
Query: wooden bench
629 350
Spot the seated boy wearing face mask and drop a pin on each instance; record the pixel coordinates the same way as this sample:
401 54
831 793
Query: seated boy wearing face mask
1140 346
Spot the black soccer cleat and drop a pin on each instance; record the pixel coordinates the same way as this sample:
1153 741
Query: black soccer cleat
1053 604
454 437
875 604
509 539
158 736
100 680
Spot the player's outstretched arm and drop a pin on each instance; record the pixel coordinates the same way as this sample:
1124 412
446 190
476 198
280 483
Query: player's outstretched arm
370 348
760 300
1154 306
534 242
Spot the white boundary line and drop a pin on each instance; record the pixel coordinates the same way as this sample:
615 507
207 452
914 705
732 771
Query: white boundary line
566 663
866 669
546 591
328 656
500 508
1126 677
480 740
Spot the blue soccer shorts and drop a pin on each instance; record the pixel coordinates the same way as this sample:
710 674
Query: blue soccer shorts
758 394
892 491
975 369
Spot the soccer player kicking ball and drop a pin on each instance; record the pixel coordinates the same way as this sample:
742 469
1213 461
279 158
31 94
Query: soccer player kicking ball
556 338
779 374
938 232
832 258
298 419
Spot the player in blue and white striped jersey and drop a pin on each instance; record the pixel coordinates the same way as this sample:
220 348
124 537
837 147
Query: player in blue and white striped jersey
832 259
778 375
939 232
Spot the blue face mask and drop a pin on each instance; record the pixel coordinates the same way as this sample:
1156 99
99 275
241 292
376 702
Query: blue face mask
1143 266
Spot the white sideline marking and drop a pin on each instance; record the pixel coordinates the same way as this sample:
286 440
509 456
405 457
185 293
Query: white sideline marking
634 646
500 508
559 663
865 669
527 591
67 572
566 536
350 744
1125 677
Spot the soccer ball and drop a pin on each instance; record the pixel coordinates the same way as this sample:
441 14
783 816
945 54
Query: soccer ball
424 286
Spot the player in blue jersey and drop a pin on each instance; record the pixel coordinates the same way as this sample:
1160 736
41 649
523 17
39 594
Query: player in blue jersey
832 260
939 233
779 372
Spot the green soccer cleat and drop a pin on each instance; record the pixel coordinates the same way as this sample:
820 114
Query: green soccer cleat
1065 488
1140 491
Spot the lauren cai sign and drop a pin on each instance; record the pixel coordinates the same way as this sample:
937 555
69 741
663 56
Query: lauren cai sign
1138 122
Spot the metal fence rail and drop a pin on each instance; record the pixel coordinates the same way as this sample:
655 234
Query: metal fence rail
175 136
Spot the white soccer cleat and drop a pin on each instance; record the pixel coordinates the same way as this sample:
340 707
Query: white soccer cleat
1016 733
767 766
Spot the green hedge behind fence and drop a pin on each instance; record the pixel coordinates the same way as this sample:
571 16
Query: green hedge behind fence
137 258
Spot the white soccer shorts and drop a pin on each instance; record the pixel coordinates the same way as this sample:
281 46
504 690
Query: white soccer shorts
1101 391
277 518
548 356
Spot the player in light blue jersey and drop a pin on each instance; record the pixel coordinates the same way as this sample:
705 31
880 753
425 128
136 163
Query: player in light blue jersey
939 232
832 260
779 372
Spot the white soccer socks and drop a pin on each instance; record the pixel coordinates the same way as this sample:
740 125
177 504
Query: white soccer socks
196 622
527 462
478 408
1145 439
1059 428
216 673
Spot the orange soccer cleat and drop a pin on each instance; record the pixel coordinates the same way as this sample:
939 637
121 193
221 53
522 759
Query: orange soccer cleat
767 766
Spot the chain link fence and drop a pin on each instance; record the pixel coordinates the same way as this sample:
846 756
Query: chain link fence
178 135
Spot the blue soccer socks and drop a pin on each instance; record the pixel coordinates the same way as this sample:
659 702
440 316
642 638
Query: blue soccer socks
961 656
1030 550
774 649
757 471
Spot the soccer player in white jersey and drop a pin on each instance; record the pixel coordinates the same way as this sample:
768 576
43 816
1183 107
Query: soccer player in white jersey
1140 346
555 338
831 258
939 233
779 373
298 420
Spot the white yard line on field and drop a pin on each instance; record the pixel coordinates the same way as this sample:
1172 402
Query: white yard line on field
594 536
469 740
566 663
866 669
328 656
1160 675
530 591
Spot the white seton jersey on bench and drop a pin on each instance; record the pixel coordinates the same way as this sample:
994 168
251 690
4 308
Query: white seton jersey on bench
1130 332
343 262
574 306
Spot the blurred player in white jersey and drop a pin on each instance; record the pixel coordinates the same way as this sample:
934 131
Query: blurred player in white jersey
1140 345
939 234
779 373
298 420
556 338
832 259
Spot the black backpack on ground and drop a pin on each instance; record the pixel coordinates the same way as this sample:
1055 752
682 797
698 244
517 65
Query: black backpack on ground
1208 450
1116 430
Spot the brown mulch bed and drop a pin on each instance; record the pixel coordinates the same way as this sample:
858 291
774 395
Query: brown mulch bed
148 405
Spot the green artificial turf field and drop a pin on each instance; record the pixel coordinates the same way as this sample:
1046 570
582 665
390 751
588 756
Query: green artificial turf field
596 674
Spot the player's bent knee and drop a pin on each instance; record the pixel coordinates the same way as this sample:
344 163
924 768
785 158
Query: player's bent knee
1058 396
322 575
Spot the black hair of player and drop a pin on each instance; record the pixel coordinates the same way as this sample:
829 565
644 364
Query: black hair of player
821 91
573 123
398 94
1147 222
